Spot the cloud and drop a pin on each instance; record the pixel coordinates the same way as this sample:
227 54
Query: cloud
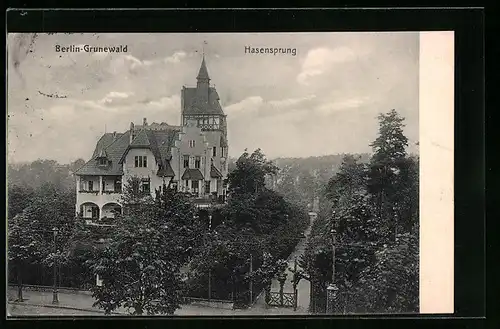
328 108
247 105
257 103
319 60
123 63
166 102
283 103
115 97
176 57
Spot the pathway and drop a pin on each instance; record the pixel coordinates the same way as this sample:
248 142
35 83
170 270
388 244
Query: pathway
303 288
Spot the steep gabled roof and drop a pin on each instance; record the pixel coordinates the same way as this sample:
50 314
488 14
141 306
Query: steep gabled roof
192 174
214 172
114 152
141 139
105 141
159 142
166 169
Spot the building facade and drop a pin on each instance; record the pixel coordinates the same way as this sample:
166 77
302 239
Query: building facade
190 158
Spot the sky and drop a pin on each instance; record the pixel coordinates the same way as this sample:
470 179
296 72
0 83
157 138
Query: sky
324 100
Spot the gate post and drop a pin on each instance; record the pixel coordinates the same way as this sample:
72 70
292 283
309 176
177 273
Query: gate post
295 282
281 279
267 295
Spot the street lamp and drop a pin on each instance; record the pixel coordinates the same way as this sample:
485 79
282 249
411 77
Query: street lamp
209 270
55 299
331 290
331 293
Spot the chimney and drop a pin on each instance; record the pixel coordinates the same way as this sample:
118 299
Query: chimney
144 122
131 134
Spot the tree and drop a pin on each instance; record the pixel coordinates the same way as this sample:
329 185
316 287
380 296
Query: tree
286 186
140 266
348 210
176 211
350 178
40 172
391 174
19 197
250 172
307 187
24 246
49 208
391 285
256 220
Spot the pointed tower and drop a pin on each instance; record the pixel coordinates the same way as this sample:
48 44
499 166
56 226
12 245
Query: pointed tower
201 104
201 107
203 79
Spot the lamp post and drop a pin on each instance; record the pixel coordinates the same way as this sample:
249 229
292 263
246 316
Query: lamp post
331 290
55 299
210 270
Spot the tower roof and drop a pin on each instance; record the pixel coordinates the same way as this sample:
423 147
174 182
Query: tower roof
203 73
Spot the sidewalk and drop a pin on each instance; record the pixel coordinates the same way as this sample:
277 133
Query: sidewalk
39 303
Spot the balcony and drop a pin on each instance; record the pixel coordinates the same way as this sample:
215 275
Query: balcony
118 191
207 201
98 197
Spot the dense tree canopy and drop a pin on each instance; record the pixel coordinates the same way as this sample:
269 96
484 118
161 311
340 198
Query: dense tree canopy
373 208
257 221
140 266
37 173
30 232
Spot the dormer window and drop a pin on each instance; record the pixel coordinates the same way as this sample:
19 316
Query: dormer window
102 158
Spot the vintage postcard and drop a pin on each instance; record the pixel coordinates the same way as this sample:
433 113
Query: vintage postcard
227 174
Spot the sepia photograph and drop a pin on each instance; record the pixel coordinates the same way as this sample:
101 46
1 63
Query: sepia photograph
214 174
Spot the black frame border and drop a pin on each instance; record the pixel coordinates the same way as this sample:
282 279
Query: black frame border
468 25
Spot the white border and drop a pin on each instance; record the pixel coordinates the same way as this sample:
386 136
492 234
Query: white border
436 101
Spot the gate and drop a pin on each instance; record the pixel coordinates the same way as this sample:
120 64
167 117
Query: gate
285 299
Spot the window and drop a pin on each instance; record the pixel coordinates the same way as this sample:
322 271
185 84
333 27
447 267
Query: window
103 161
146 186
91 185
118 185
195 186
207 187
197 162
141 161
222 152
191 143
95 212
186 161
214 151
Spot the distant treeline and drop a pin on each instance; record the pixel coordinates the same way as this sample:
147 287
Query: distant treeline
38 173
